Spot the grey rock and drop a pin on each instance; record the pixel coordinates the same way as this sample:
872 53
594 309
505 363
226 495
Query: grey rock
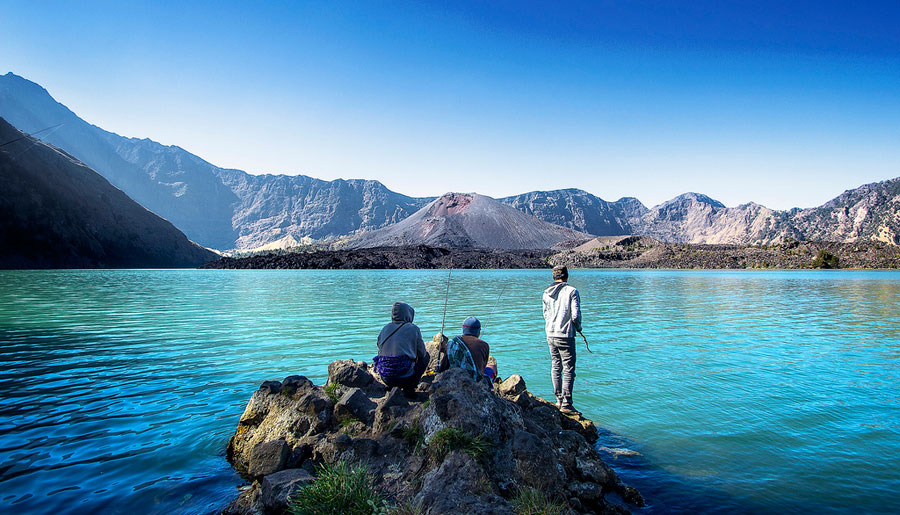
586 491
512 386
268 457
349 373
535 463
278 488
271 386
296 384
354 404
593 469
249 502
456 401
462 476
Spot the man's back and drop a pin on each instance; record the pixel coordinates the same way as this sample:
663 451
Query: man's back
562 310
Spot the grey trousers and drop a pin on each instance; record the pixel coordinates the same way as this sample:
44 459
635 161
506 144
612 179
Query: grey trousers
562 368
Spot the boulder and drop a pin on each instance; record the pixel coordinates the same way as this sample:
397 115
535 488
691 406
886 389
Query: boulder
273 416
349 373
523 400
536 463
278 488
583 426
271 386
593 469
294 384
586 491
249 502
268 457
434 354
457 402
354 404
459 485
512 386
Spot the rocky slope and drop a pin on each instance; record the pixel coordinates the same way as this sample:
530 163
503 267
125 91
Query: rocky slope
217 207
412 256
645 252
602 252
468 220
55 212
580 210
504 441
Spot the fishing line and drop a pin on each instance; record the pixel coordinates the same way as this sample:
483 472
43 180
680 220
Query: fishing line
35 142
32 134
496 303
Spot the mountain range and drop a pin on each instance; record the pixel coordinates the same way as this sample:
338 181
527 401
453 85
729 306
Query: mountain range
226 208
55 212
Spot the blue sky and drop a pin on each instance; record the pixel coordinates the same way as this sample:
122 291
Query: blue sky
750 101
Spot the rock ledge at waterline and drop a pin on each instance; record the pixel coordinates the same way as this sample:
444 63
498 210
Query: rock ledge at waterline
292 426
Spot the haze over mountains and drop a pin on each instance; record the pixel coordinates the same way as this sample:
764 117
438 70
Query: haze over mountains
225 208
56 212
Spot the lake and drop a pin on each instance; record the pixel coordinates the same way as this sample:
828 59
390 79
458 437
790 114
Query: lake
717 391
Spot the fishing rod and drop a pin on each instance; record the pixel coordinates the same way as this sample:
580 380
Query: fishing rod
585 342
32 134
446 297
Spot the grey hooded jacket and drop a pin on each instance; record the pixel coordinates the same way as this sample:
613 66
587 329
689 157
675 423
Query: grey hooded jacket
562 311
407 341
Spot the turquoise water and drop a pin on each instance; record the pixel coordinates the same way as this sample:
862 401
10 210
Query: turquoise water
721 391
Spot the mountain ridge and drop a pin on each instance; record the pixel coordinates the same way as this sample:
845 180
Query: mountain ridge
55 212
217 207
229 208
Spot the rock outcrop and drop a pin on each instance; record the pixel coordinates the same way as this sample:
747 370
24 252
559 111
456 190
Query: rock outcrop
519 441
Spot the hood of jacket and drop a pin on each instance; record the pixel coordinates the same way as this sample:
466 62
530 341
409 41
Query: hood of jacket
402 312
553 289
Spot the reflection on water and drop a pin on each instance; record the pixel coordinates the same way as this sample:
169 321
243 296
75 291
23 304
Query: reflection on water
721 391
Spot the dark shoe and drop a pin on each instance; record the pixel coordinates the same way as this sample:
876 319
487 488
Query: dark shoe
569 410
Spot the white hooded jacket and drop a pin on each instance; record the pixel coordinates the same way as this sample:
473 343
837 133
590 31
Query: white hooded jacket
562 311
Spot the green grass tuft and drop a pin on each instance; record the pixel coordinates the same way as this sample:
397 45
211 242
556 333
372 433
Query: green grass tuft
531 501
340 489
451 439
331 392
414 436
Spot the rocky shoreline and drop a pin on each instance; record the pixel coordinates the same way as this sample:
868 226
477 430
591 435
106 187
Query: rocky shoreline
453 447
601 252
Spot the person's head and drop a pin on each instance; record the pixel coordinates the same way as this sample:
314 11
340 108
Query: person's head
402 312
560 273
472 327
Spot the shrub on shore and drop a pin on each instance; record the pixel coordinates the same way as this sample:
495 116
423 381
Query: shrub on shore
531 501
339 489
826 259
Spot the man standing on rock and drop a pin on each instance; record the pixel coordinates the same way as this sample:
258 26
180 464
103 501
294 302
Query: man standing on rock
562 317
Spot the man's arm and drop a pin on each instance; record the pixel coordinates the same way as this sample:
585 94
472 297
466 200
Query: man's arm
576 310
